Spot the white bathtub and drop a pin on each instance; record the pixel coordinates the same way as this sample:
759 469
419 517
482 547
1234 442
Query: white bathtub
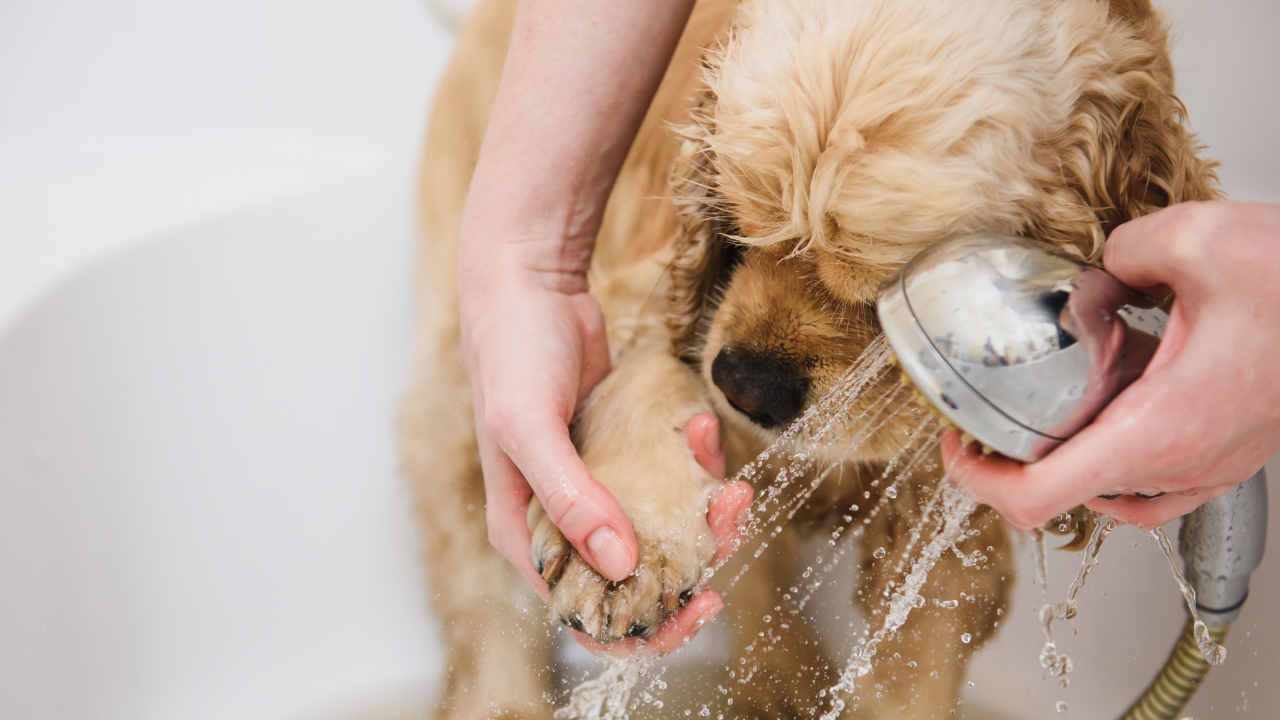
205 240
200 513
204 324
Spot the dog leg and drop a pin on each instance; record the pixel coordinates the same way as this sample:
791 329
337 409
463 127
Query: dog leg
500 658
630 433
919 671
778 667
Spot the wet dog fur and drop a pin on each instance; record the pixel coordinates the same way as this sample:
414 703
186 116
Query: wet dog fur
797 152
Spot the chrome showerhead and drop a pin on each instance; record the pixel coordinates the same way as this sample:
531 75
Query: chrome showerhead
1016 344
1022 347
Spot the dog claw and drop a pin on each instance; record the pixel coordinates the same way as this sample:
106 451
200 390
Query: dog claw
632 608
548 549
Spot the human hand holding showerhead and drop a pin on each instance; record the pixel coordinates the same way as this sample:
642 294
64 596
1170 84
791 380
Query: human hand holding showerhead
1205 414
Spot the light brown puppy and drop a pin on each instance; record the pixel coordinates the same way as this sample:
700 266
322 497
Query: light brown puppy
797 152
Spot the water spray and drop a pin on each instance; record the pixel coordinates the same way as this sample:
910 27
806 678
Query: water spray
1021 347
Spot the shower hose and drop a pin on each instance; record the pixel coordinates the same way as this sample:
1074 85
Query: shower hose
1177 681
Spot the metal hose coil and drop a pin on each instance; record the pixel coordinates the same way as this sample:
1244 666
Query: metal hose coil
1177 681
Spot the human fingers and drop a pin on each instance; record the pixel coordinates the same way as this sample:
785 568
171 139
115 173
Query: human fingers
703 435
1151 513
1162 250
507 496
1030 495
585 512
726 514
1002 483
729 503
685 623
675 632
1143 439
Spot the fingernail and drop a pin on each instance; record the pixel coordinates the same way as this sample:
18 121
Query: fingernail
712 440
612 559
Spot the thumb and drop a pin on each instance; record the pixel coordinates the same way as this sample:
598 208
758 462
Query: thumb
595 342
1154 252
585 512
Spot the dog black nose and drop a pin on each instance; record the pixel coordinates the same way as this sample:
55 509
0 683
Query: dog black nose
768 391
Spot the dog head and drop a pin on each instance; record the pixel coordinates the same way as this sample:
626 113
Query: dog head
835 140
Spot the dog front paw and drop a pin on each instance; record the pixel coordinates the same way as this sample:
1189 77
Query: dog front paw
630 433
664 580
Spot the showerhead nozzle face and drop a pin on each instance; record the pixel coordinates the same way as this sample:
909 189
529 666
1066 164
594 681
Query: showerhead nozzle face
1016 344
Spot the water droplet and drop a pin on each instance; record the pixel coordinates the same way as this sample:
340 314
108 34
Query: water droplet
879 553
966 638
891 492
1061 706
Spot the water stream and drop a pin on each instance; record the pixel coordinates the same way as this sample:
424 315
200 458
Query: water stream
833 420
953 507
1041 555
1213 653
803 452
828 423
1055 662
608 695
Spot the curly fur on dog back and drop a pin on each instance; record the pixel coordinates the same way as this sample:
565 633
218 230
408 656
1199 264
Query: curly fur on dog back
868 130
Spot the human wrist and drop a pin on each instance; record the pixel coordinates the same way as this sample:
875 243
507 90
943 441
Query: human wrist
498 256
530 224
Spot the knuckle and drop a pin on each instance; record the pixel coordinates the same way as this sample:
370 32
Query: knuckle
500 424
561 505
1028 515
1192 228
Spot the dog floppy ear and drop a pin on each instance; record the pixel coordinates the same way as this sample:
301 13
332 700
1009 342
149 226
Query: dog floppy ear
701 254
1126 151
